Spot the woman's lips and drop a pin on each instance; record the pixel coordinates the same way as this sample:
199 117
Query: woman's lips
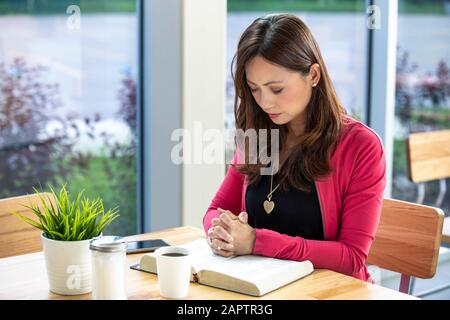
273 115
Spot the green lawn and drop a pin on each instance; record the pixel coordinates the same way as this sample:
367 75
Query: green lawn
421 7
111 6
438 117
60 6
93 180
399 156
406 6
308 5
115 191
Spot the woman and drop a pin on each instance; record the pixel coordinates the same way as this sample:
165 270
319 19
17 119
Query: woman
324 202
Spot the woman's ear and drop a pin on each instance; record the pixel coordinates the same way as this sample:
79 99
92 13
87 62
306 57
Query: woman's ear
314 74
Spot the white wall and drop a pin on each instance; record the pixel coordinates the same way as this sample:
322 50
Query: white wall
203 97
184 74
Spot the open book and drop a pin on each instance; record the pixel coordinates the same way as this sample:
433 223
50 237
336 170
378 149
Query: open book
251 275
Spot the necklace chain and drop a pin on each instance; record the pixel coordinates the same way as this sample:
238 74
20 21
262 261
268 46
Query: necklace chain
268 204
269 196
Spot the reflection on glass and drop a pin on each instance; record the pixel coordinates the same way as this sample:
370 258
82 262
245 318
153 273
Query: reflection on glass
423 85
68 100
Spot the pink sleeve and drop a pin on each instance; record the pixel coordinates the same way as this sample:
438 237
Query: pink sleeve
228 197
360 216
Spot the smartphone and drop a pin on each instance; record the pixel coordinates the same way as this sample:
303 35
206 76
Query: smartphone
145 245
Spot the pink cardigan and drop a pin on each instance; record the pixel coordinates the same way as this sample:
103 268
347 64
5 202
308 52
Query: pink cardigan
350 200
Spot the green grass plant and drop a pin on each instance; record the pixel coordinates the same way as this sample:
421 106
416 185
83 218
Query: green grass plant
69 219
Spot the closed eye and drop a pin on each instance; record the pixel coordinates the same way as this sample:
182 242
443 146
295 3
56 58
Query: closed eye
277 91
274 91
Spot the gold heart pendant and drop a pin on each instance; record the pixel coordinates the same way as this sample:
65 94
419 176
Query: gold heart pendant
268 206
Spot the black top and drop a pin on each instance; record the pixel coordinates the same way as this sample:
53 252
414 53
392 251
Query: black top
296 213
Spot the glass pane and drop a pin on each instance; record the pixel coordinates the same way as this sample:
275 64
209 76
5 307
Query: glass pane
340 30
68 100
423 86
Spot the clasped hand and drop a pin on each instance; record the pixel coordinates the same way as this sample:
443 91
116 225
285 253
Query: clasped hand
231 235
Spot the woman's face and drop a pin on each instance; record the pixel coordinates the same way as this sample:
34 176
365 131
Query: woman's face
281 93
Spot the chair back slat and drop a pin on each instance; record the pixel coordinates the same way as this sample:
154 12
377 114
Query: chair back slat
429 155
16 236
408 238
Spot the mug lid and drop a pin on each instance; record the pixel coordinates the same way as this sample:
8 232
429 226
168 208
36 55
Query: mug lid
108 244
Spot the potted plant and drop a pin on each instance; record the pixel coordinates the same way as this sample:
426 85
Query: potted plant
67 228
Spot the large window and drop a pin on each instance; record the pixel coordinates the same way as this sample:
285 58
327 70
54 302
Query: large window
68 100
423 85
338 26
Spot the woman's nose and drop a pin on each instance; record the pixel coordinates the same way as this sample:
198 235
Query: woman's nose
265 102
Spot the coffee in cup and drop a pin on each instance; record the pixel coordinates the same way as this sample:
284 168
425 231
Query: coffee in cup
173 266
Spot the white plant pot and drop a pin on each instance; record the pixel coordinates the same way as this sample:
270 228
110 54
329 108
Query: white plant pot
69 268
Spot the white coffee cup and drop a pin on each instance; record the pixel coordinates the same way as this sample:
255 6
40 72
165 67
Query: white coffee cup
174 271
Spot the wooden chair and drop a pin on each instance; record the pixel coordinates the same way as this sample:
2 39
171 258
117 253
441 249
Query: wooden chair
16 236
407 240
428 159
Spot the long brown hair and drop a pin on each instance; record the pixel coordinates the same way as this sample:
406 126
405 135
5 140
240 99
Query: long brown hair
285 40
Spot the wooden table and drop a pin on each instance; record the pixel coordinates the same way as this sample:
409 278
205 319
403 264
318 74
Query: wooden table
24 277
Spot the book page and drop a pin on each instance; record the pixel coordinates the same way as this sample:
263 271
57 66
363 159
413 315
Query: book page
254 275
202 256
266 273
243 267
